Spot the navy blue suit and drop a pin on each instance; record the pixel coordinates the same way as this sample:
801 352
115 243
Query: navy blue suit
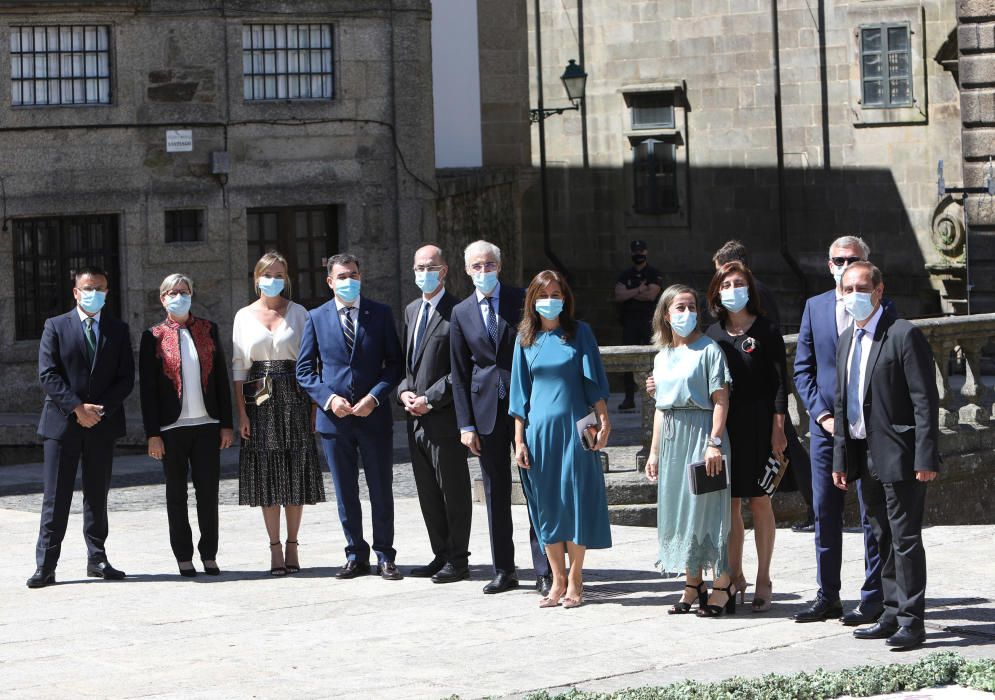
479 370
324 368
815 379
68 381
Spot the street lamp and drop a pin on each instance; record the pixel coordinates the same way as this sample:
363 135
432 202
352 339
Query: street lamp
575 83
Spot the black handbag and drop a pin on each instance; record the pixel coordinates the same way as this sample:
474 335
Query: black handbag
699 482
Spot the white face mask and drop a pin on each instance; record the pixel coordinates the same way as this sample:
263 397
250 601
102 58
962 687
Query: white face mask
838 273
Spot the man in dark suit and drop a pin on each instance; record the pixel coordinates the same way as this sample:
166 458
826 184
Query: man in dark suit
825 318
888 436
438 458
349 364
87 370
482 329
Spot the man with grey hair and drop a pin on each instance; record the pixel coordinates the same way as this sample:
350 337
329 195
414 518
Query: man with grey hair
824 320
482 341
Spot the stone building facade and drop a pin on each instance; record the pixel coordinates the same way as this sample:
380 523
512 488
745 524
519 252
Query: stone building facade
683 144
305 126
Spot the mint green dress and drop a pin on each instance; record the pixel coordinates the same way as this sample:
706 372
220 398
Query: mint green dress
693 530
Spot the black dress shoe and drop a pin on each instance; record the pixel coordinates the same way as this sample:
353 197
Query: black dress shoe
879 630
388 571
501 582
451 574
863 614
41 578
543 584
104 570
804 526
627 405
820 610
353 568
429 570
906 638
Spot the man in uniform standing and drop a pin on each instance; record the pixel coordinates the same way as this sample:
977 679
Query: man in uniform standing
636 292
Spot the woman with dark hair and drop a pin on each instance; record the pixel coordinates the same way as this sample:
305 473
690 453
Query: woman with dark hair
692 397
556 380
278 463
186 409
754 351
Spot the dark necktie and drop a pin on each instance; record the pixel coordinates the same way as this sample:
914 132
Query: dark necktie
350 329
853 397
91 341
492 332
420 330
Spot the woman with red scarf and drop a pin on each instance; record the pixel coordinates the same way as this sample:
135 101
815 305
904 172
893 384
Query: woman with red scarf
186 408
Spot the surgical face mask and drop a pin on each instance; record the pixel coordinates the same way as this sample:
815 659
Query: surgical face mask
735 298
549 308
347 290
178 304
485 281
859 305
92 301
638 259
838 271
684 323
427 280
271 286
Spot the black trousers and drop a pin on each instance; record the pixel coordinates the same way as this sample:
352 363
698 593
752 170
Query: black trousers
634 332
442 478
193 450
495 470
95 451
895 511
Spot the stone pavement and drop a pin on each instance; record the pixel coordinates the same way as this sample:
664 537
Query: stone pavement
248 634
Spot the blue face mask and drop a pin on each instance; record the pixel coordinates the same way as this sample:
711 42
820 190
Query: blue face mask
271 286
347 290
178 305
485 281
736 298
684 323
549 309
859 305
92 301
427 280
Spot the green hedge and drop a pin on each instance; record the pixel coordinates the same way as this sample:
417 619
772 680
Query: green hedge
943 668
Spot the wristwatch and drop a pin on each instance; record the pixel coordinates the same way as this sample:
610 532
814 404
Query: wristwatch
714 441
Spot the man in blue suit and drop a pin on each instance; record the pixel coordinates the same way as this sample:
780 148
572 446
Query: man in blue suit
823 322
87 370
349 363
482 331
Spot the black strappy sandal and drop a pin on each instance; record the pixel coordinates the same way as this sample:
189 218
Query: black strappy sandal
292 568
709 610
682 608
277 570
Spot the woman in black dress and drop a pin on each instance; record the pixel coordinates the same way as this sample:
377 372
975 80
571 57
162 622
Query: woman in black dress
754 351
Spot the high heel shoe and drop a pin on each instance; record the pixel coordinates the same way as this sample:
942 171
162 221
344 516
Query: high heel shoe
292 568
709 610
277 570
187 573
741 586
762 603
682 608
211 570
569 602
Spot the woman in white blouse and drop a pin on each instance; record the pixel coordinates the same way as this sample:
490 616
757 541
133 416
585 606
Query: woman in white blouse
278 463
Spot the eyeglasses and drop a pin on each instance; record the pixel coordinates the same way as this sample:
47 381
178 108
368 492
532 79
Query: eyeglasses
840 262
428 268
484 267
172 293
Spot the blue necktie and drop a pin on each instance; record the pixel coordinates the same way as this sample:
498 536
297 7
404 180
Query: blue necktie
854 400
492 332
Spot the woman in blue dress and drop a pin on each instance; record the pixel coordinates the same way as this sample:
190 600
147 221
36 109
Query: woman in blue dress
692 400
556 380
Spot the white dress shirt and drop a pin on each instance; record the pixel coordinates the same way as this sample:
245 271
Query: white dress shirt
858 429
843 317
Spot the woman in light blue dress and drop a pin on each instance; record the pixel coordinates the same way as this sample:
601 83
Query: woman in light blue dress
556 380
692 399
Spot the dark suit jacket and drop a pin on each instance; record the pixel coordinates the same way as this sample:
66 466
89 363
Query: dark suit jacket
68 381
901 404
476 363
324 366
815 354
161 398
428 373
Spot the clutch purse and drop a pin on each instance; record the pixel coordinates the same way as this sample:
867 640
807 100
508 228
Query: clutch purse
774 471
263 390
587 428
699 482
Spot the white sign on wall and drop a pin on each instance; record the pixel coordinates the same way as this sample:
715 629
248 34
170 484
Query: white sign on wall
179 141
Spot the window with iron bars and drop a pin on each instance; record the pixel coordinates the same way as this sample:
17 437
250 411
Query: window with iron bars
287 62
60 65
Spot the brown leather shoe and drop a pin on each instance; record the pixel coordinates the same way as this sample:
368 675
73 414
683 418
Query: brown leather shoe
353 568
388 572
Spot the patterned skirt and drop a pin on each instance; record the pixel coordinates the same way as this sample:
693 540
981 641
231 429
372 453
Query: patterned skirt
279 464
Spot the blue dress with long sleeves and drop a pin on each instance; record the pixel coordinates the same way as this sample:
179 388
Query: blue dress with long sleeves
555 383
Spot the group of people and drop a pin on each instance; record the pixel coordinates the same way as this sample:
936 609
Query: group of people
511 371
